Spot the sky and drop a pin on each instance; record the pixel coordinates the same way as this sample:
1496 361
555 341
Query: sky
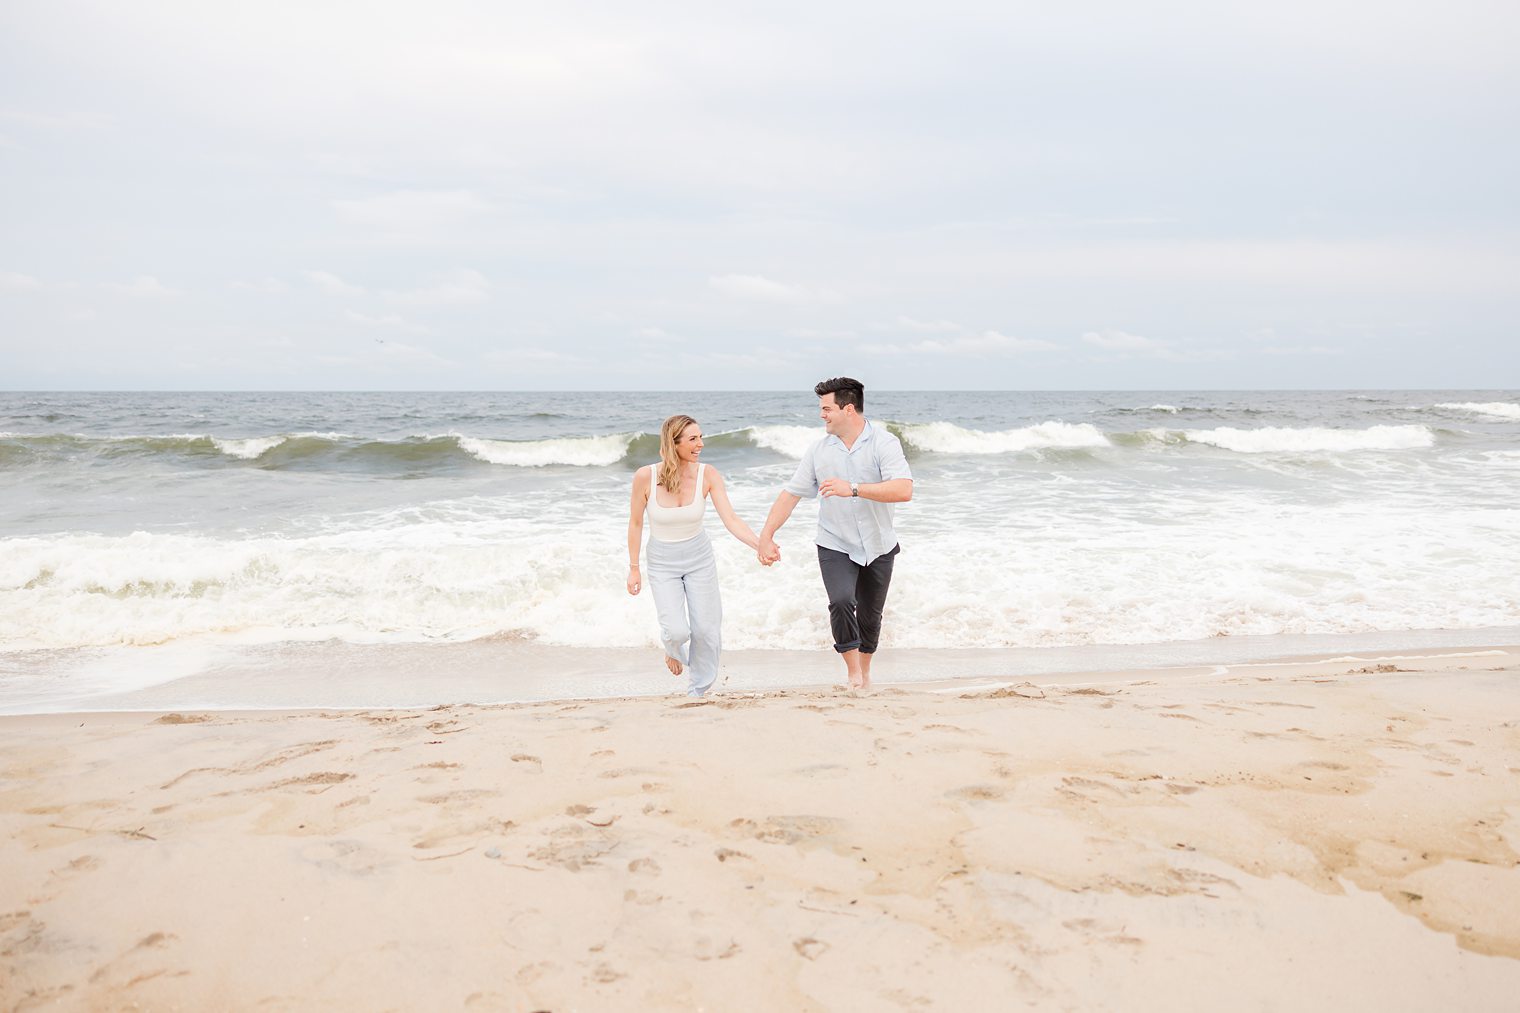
668 196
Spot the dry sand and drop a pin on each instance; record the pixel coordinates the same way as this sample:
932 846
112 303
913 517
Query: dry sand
1328 836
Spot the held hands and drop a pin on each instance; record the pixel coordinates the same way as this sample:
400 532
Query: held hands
768 552
633 580
835 487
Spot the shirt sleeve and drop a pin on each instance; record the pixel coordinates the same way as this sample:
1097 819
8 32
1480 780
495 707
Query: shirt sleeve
804 482
891 459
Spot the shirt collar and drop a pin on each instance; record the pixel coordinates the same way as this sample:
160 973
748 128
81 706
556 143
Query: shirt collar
865 435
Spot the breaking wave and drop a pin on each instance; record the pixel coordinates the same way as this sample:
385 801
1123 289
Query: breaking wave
947 438
1312 439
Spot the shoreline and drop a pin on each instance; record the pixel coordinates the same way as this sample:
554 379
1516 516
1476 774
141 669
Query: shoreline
331 675
1138 843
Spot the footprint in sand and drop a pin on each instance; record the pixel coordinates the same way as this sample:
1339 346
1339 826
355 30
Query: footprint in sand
12 919
318 782
346 856
977 793
787 829
830 770
450 798
809 948
530 973
574 847
707 948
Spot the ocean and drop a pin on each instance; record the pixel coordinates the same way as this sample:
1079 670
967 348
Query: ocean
139 528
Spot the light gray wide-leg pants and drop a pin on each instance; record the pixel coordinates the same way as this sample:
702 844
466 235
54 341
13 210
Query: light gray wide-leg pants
683 577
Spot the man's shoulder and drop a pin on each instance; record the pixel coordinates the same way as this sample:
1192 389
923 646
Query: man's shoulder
885 436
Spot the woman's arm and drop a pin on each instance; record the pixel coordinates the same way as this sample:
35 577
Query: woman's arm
786 502
731 521
636 503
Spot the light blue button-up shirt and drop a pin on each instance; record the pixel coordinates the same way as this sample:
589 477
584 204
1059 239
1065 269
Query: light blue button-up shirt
860 527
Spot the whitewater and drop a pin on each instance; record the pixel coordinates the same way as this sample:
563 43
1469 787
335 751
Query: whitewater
1040 520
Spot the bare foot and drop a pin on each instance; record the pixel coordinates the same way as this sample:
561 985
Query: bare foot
673 665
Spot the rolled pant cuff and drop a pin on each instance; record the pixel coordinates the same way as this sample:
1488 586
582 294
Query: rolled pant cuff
853 645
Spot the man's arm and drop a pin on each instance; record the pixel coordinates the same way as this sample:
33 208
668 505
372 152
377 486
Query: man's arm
893 490
780 510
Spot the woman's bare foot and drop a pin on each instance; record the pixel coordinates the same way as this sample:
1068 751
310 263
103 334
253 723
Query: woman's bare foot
673 665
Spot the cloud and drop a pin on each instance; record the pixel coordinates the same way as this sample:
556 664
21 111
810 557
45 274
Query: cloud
929 326
1123 341
265 286
1435 265
757 288
71 121
332 284
389 320
12 282
984 345
1123 345
144 286
412 210
658 335
454 288
1301 350
399 354
820 334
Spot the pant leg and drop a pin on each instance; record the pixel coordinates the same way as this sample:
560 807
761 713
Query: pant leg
704 606
871 598
667 587
840 577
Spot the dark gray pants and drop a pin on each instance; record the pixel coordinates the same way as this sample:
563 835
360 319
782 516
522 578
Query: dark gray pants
857 595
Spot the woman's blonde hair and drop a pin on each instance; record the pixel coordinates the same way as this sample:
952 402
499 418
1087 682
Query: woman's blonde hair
670 465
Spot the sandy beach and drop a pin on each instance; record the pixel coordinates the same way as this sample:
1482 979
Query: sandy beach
1317 835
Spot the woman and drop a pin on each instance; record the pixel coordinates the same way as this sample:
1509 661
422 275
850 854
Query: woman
683 576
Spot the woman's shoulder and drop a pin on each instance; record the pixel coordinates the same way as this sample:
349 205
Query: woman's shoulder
644 476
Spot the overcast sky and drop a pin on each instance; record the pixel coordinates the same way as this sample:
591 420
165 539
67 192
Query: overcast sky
730 195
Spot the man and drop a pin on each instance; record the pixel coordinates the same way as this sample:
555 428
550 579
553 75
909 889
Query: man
860 471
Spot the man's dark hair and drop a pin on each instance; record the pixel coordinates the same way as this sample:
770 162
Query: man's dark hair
845 391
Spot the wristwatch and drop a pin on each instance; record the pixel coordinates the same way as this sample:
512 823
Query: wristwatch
854 489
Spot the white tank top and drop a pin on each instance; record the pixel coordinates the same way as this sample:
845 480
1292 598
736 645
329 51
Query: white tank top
677 523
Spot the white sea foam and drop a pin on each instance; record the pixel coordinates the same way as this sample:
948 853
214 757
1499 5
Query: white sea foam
946 438
1313 439
1502 409
1049 574
248 449
793 441
581 451
1171 409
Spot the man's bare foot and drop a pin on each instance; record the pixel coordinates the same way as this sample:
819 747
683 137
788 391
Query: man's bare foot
673 665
